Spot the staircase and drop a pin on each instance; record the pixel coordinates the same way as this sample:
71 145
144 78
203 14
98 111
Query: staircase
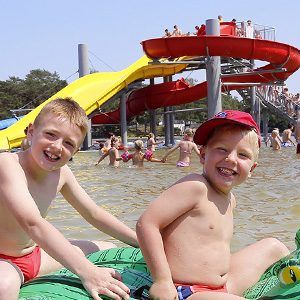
238 66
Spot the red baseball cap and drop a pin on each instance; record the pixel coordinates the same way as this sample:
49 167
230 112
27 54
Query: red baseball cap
205 130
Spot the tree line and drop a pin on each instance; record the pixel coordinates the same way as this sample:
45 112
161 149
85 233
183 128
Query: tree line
38 86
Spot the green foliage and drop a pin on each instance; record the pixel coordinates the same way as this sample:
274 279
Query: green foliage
277 122
38 86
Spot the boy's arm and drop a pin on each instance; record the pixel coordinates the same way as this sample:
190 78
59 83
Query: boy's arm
149 227
290 139
24 209
153 159
196 149
101 158
164 158
93 213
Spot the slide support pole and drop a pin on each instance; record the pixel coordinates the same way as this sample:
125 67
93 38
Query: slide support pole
152 114
83 69
213 73
166 121
123 119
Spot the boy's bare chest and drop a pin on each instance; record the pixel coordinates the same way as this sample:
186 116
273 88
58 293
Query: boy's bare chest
214 220
43 194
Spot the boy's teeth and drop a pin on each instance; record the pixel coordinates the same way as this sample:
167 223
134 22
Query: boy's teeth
226 171
52 156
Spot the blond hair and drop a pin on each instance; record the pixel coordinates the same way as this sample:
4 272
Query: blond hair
65 108
138 144
189 132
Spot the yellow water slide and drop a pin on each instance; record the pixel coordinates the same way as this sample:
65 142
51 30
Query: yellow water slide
91 91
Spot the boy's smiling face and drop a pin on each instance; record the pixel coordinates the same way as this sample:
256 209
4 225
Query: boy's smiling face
228 159
54 141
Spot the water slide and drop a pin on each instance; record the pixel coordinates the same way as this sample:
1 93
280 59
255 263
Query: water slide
91 91
282 57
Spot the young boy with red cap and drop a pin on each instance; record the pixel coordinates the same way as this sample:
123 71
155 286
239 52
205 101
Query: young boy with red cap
187 246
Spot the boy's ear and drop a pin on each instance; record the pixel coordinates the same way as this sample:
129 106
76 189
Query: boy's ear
30 130
202 154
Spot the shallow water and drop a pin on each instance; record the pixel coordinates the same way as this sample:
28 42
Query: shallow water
267 204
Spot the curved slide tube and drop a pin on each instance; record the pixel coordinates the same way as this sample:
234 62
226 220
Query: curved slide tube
91 91
279 55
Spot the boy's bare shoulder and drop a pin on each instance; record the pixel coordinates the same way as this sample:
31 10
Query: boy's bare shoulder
10 166
193 180
7 158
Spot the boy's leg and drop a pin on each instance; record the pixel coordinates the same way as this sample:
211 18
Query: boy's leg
248 264
49 264
11 280
213 296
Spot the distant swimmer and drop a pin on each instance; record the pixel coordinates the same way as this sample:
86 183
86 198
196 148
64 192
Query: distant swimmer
287 136
274 139
112 153
186 146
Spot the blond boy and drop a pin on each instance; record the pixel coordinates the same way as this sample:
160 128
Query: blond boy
29 181
187 246
186 146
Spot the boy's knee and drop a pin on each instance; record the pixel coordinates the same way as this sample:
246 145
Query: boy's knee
7 285
105 245
276 248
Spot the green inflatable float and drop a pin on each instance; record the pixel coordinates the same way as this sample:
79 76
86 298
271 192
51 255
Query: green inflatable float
280 281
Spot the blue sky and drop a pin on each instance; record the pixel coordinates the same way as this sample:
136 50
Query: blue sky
45 34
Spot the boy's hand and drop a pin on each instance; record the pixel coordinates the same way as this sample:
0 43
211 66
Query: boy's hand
163 160
163 291
106 282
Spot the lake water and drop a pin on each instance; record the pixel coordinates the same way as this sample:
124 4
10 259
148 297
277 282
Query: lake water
268 204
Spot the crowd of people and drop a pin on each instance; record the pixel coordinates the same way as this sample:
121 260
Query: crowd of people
290 137
112 145
281 97
242 29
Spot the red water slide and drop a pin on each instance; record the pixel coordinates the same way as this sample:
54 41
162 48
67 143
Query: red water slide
278 55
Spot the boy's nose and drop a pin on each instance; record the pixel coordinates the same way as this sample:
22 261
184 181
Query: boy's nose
57 145
231 157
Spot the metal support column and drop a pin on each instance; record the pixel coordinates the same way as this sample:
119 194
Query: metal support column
172 117
166 121
83 69
265 122
123 119
255 103
152 114
213 72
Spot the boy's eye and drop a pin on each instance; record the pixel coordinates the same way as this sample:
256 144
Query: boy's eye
222 149
70 144
50 134
245 155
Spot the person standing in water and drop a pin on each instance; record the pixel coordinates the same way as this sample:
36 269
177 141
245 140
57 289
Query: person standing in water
186 147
